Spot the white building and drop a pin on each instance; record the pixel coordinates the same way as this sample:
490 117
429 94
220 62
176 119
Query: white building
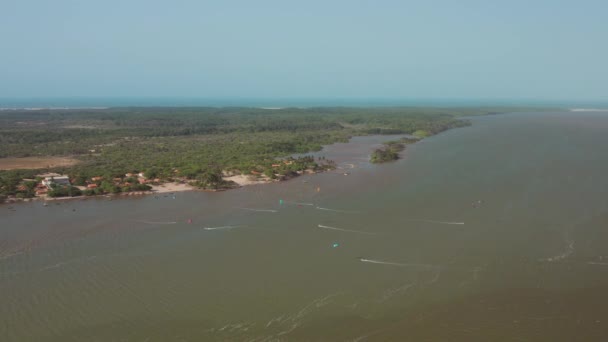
57 180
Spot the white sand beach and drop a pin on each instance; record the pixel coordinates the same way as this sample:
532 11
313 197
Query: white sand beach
243 180
171 187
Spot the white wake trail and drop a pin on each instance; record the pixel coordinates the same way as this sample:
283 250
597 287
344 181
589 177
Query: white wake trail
149 222
569 250
338 211
433 221
346 230
395 263
221 227
261 210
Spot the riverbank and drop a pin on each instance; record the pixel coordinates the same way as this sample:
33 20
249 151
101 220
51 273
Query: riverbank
244 180
164 188
346 154
84 274
170 187
156 189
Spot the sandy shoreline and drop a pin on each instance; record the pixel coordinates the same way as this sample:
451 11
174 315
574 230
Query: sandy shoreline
165 188
243 180
240 180
170 187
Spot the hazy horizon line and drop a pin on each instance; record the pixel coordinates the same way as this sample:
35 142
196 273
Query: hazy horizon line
189 101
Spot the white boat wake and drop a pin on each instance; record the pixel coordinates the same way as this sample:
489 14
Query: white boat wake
149 222
433 221
261 210
346 230
222 227
569 250
337 211
395 263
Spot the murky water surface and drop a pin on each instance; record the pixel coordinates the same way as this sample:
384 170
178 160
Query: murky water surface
495 232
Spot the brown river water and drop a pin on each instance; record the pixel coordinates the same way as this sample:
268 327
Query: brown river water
494 232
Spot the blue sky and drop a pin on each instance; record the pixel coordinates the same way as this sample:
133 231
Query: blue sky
466 49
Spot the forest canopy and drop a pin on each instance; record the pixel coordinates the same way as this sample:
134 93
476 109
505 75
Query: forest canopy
196 142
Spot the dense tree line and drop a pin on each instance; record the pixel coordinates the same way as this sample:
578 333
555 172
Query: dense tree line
390 150
197 143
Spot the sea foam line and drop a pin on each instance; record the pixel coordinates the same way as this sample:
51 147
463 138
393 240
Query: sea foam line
345 230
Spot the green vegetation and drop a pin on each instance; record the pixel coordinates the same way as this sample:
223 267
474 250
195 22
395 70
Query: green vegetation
390 150
12 183
421 134
383 155
64 191
197 145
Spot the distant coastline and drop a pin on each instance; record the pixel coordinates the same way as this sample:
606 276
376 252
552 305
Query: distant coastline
128 150
238 181
588 110
44 103
49 108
